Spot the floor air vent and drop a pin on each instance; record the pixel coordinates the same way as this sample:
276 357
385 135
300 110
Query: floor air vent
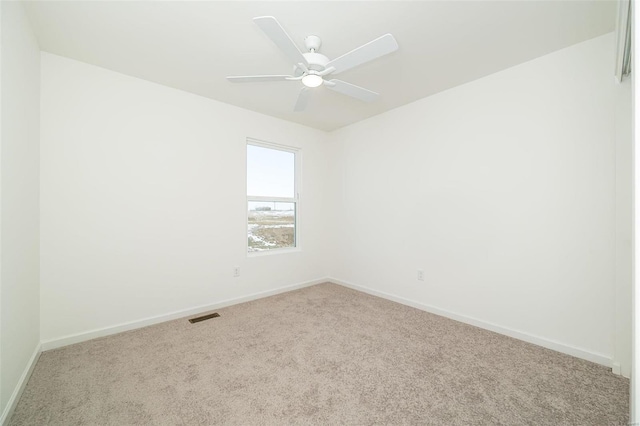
204 317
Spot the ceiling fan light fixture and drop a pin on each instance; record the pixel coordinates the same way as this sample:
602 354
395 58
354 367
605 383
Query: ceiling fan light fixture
312 80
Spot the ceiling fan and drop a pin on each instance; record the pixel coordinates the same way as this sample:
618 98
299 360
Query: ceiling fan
311 67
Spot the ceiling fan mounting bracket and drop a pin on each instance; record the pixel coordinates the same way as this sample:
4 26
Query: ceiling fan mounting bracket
312 43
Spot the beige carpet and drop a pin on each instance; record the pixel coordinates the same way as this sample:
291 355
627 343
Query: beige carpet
320 355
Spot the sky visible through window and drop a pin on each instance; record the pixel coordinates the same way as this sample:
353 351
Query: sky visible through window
270 172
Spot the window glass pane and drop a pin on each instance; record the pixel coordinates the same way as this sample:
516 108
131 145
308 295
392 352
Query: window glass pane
270 172
271 225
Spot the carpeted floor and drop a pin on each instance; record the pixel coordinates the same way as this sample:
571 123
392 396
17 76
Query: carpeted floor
320 355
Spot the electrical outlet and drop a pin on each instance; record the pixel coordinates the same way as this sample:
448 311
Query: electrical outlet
236 271
420 275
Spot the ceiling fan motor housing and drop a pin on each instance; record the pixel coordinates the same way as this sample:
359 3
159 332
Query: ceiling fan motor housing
316 61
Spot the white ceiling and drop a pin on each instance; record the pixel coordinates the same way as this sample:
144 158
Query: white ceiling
193 45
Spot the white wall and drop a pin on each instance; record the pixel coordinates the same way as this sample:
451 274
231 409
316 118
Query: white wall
624 225
19 194
143 200
503 191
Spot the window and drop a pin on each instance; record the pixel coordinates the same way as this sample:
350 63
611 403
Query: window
272 197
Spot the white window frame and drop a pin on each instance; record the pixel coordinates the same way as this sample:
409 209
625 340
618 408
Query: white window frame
297 155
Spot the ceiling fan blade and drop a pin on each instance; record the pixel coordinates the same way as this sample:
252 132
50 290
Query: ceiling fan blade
352 90
257 78
279 36
303 99
365 53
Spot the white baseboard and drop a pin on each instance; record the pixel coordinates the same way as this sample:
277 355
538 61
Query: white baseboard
132 325
536 340
616 368
22 382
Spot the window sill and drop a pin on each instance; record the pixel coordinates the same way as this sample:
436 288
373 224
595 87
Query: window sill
273 252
